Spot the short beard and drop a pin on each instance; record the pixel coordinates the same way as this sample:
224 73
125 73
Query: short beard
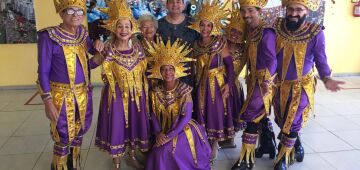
294 25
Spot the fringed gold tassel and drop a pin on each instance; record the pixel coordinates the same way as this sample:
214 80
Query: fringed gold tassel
248 150
59 162
284 151
76 157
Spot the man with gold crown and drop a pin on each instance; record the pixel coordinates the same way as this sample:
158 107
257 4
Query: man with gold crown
180 141
214 75
261 67
64 81
300 45
123 122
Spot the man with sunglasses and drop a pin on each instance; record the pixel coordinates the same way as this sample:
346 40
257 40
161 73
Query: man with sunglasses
64 81
300 46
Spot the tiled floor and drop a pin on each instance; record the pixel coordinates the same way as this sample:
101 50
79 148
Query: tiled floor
331 139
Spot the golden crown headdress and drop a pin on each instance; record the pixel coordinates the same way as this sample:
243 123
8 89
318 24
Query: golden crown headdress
312 5
236 21
168 54
117 10
255 3
60 5
213 12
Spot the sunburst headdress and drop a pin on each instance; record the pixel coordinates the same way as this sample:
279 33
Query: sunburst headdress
254 3
236 21
118 10
213 12
313 5
168 54
60 5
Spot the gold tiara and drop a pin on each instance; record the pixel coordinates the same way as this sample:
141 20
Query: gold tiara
313 5
255 3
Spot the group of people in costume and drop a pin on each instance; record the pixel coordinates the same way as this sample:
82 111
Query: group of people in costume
176 95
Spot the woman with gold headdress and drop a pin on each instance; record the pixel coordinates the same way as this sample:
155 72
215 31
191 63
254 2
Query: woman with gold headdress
123 122
235 34
214 75
180 141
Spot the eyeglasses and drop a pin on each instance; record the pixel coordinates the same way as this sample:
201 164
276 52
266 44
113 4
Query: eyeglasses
296 10
71 11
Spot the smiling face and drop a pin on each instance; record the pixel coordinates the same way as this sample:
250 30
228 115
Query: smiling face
205 28
168 73
148 29
250 14
72 16
123 29
295 16
175 6
236 36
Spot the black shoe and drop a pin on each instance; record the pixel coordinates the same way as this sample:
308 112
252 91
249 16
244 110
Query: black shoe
242 165
267 141
281 165
299 150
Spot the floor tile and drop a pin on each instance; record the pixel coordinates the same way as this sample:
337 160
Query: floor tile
24 144
312 161
8 128
325 142
337 123
345 160
313 127
3 139
14 116
18 162
97 160
351 137
223 164
29 128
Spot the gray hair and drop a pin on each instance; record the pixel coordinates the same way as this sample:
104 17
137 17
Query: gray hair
148 17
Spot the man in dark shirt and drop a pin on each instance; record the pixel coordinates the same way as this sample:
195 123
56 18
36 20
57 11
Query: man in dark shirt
175 25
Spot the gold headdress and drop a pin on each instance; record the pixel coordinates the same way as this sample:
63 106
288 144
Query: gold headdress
255 3
167 54
213 12
117 10
310 4
236 21
60 5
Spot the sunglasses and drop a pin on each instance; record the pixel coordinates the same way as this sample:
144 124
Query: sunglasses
71 11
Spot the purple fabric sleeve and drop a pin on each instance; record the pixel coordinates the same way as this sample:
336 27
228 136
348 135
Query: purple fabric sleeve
90 46
320 56
92 51
154 123
181 122
44 60
230 74
268 46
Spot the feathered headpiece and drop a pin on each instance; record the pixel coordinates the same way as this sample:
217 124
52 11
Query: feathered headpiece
168 54
213 12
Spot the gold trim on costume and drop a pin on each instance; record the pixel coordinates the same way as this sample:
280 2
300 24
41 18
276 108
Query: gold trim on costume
128 73
64 94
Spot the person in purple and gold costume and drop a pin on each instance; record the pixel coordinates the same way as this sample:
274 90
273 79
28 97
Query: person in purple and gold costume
123 122
180 141
214 75
300 45
235 35
64 81
261 68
